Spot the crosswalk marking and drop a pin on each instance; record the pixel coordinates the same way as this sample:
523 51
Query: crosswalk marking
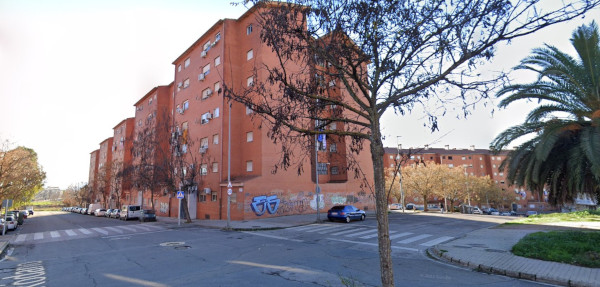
300 228
21 237
347 231
38 236
100 230
413 239
344 229
326 227
70 232
400 235
84 231
360 233
145 228
126 227
114 229
375 235
437 241
54 234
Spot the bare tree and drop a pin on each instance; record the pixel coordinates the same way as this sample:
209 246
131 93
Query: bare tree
366 57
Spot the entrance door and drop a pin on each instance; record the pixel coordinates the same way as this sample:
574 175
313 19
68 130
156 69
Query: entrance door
192 204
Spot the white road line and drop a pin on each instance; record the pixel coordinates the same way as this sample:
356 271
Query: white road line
327 227
100 230
113 229
413 239
275 237
437 241
347 231
126 227
141 227
38 236
84 231
303 227
400 235
361 233
342 229
21 237
374 235
70 232
372 244
54 234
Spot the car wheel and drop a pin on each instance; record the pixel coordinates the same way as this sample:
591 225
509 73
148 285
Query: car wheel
347 219
330 219
362 217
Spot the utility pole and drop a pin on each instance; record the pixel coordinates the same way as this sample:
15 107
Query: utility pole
399 162
317 188
229 190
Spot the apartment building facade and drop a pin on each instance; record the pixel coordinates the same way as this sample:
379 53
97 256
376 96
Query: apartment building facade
121 159
104 175
477 162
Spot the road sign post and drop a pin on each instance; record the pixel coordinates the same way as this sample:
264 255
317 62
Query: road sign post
180 196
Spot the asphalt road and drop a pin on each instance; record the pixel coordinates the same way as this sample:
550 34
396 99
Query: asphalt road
55 250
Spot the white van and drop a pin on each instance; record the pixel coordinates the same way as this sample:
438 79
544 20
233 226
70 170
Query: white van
130 211
92 208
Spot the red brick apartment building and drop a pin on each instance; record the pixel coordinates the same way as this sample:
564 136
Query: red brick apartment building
479 162
103 177
122 158
194 112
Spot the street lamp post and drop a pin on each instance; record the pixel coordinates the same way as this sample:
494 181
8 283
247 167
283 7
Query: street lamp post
399 162
229 191
317 188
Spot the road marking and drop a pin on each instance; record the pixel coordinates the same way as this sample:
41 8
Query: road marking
273 236
326 227
413 239
361 233
347 231
342 229
84 231
70 232
437 241
54 234
141 227
375 235
114 229
372 244
299 228
126 227
400 235
21 237
100 230
38 236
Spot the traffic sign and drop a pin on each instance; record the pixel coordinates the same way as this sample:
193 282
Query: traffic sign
229 185
229 191
180 194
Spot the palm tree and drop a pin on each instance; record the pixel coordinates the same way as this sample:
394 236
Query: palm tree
562 154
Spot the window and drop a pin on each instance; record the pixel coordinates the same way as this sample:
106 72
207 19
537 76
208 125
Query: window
217 37
450 157
215 167
249 55
204 143
205 118
248 110
334 170
204 169
391 157
187 63
233 197
250 81
333 147
249 29
217 87
213 196
186 105
249 136
179 68
202 197
249 166
216 139
217 61
179 85
333 126
216 113
450 165
493 165
149 101
206 69
321 168
206 93
186 83
463 158
207 46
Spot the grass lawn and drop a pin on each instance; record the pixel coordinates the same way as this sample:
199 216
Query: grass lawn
569 246
572 247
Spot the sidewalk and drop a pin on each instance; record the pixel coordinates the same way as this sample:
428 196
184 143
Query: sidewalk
249 225
488 250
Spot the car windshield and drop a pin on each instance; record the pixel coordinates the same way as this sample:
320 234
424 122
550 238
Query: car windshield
148 211
340 207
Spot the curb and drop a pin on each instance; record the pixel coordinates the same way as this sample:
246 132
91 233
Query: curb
443 255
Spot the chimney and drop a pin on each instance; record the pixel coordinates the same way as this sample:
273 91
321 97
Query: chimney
472 147
426 147
447 147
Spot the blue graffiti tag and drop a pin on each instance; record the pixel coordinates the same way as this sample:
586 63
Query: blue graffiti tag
262 203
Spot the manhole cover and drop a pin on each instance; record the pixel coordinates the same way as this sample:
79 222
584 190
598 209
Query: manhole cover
167 244
182 247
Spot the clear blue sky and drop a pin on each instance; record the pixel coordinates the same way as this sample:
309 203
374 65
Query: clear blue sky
71 70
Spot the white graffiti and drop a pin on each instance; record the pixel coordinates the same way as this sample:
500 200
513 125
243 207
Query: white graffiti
313 202
28 274
164 207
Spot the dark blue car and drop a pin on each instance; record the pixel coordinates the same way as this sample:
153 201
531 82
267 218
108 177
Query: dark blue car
346 213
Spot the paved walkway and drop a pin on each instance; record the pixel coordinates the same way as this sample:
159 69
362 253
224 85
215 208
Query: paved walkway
486 250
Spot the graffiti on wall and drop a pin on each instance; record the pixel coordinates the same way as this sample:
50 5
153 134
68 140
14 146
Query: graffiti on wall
263 203
164 207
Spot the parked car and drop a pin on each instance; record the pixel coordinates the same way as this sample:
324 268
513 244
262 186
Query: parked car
493 211
99 212
505 213
410 206
395 206
91 210
147 215
115 214
130 211
83 210
25 213
30 211
530 212
346 213
108 212
476 210
11 222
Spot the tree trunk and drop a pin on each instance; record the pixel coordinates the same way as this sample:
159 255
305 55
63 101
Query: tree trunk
186 211
385 248
425 203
